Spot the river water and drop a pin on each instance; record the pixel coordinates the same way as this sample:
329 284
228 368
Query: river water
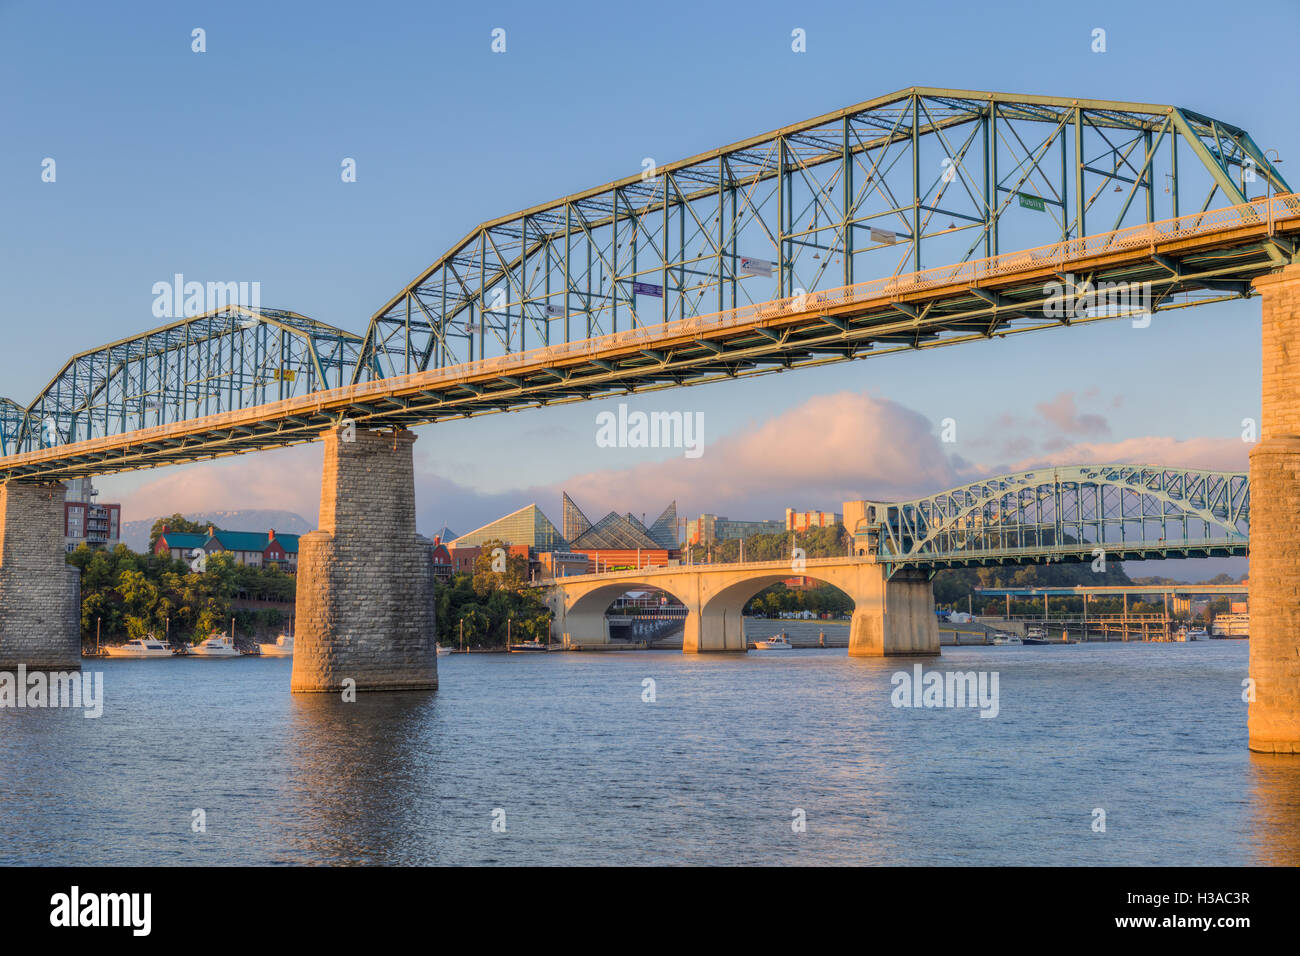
732 754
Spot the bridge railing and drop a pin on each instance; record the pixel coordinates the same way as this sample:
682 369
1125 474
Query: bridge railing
784 566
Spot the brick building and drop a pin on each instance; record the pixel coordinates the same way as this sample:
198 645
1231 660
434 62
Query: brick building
85 521
258 549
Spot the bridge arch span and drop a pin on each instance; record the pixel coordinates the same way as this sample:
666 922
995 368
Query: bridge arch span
722 620
579 609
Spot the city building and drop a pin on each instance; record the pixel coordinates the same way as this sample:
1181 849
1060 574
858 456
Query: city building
620 540
561 564
615 541
87 522
256 549
803 520
463 559
179 545
710 529
441 557
527 526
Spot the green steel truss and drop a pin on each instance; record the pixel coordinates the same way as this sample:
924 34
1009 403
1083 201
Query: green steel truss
11 423
1069 513
919 178
231 358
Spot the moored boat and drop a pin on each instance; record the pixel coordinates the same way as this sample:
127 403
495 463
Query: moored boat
216 646
140 647
283 647
1035 635
527 647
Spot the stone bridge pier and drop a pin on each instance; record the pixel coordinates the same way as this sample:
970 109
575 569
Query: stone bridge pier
365 578
1274 716
40 593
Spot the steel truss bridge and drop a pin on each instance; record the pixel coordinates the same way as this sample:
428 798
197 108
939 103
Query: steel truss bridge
1074 513
919 219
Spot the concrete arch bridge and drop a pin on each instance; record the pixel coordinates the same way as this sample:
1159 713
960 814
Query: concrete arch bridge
893 614
1064 514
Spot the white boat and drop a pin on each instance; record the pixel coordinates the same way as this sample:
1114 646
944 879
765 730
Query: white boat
1002 637
283 647
140 647
526 647
777 643
216 646
1231 625
443 651
1198 634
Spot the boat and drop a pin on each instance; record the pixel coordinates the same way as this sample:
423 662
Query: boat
216 646
283 647
1231 625
443 651
1198 634
775 643
140 647
1180 635
1002 637
527 647
1035 635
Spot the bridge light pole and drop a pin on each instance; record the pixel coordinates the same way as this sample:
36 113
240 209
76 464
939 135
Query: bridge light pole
1268 187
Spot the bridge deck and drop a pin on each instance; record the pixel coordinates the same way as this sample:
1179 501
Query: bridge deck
1221 251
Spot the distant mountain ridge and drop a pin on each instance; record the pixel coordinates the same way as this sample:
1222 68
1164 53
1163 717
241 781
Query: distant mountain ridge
135 534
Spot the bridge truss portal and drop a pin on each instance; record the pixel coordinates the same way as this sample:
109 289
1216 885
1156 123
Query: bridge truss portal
1070 513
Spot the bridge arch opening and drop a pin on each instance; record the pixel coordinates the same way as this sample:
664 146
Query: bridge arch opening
722 615
624 610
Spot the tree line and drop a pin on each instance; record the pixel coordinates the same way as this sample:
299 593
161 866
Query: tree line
491 605
125 595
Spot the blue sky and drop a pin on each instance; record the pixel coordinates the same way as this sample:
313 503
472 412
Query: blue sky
226 164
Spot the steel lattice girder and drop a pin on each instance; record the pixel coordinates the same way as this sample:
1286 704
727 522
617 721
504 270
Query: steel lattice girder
1070 513
916 178
1201 256
11 423
230 358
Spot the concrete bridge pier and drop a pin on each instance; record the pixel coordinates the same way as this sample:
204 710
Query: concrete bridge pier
892 615
580 625
40 593
719 628
1274 715
365 578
